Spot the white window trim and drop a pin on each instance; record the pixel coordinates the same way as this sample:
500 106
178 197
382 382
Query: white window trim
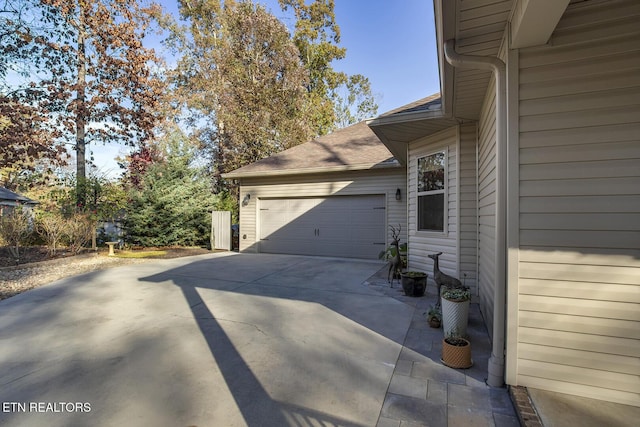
445 190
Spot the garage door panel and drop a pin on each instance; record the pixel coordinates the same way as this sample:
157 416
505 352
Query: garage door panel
286 218
334 226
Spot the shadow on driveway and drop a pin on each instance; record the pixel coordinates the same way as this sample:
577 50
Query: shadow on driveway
308 344
222 339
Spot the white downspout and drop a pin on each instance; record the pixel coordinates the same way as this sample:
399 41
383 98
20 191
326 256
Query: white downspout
496 362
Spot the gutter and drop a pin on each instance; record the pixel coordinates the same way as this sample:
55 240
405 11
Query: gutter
407 116
496 366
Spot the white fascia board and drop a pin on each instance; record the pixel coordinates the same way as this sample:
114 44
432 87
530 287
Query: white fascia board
407 117
308 171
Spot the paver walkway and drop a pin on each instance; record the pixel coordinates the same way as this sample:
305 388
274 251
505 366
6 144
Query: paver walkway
424 392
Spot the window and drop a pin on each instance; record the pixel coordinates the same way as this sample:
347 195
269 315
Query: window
431 192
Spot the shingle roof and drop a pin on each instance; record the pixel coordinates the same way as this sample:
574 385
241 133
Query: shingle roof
355 147
7 195
430 103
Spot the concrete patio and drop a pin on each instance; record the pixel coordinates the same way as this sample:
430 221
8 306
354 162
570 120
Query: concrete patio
233 340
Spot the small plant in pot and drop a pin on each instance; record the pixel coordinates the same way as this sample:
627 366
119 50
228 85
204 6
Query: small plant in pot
434 317
455 311
456 352
456 294
390 253
414 283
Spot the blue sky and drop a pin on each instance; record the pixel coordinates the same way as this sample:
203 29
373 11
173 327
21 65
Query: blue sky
393 44
390 42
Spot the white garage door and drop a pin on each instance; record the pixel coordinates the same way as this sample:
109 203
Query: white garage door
340 226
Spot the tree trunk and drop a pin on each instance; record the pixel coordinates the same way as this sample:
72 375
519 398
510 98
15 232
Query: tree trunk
81 174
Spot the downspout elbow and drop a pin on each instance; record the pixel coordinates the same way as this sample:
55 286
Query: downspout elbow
496 362
472 61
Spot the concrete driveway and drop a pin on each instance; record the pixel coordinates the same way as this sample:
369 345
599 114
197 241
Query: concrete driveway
215 340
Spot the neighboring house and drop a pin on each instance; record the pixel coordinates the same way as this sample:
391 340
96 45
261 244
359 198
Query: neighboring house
9 200
333 196
526 175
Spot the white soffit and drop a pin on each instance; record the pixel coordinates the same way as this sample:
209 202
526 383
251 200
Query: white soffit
533 21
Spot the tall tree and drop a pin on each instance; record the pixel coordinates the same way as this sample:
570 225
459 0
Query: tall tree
337 98
256 87
243 71
84 66
26 143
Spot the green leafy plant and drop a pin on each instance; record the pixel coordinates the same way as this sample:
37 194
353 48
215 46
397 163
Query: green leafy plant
434 312
455 337
456 294
174 202
390 253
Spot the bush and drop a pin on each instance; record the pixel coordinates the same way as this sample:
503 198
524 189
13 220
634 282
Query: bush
53 228
79 230
173 203
15 228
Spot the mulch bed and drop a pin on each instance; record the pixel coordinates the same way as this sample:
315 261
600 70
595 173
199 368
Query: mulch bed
29 254
38 268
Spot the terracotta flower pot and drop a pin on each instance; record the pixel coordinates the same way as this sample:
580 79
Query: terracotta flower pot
434 322
456 353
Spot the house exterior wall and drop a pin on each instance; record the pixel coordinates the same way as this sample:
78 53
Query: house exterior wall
381 181
578 300
487 204
468 206
422 243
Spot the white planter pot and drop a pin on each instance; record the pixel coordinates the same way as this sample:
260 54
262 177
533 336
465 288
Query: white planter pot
455 316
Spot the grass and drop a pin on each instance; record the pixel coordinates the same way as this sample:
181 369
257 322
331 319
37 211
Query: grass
140 254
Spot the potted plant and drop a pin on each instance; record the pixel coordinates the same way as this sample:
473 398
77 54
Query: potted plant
390 253
414 283
434 317
455 311
456 352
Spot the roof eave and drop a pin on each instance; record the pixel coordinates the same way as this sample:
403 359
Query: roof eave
445 22
410 116
310 171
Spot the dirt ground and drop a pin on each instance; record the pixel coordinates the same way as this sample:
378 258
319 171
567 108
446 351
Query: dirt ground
38 268
31 254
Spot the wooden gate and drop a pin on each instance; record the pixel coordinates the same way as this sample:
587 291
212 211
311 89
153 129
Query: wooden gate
221 230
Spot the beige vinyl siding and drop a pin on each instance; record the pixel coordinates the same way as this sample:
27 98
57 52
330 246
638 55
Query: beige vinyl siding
468 206
422 243
579 268
487 204
382 181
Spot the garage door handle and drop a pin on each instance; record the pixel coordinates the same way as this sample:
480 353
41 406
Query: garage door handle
379 243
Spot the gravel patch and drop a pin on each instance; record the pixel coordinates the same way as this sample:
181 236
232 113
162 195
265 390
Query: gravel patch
15 280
